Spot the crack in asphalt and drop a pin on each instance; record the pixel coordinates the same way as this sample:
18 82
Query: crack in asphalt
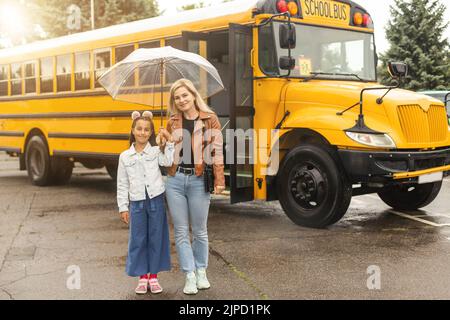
13 240
241 275
9 294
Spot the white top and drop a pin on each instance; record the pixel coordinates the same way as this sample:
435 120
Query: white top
139 173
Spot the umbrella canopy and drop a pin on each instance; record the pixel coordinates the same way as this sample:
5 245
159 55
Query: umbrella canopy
148 73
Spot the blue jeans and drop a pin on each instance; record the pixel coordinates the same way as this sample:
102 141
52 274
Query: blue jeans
189 205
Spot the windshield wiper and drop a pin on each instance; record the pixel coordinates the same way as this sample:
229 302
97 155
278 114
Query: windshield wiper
315 74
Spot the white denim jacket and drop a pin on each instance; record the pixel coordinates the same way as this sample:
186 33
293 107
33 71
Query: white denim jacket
139 172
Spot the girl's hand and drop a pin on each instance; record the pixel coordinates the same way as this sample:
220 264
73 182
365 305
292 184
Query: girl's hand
219 189
125 216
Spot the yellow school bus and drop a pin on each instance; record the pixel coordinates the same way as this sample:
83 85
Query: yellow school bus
303 72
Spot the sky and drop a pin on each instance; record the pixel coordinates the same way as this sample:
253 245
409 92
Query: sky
378 9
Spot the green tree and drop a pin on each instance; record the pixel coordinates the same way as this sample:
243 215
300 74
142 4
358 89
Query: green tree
23 30
52 15
415 33
112 12
192 6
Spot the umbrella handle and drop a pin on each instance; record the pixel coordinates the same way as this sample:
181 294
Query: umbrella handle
162 95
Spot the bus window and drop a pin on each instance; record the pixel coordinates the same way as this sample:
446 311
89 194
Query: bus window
63 72
176 43
82 73
46 75
30 77
102 60
142 79
267 51
3 80
149 44
16 79
122 53
243 69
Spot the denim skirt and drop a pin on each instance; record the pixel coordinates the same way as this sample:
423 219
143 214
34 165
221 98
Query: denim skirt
149 244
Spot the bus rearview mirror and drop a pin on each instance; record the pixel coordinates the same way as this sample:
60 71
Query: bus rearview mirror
287 36
397 69
287 63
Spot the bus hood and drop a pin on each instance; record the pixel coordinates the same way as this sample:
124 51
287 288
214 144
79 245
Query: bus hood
412 119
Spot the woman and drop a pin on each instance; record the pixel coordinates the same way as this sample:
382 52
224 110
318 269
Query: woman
195 129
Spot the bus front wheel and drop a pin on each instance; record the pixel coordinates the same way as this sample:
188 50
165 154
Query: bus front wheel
410 196
37 159
311 189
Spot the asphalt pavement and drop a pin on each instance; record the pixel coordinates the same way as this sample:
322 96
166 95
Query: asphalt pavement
67 242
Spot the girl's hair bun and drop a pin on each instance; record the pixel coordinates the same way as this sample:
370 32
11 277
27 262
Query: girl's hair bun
147 114
135 115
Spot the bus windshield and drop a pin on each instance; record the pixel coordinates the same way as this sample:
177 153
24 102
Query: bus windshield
320 52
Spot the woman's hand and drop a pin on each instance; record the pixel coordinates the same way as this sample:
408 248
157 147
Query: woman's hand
160 140
165 135
219 189
125 216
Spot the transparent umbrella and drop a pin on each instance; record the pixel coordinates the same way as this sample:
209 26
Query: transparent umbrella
146 73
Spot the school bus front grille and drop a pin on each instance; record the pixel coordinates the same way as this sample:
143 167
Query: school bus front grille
423 126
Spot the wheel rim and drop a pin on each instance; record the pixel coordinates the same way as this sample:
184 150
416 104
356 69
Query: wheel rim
37 163
307 186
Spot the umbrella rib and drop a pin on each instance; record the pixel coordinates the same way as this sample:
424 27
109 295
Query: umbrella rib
174 67
158 71
129 72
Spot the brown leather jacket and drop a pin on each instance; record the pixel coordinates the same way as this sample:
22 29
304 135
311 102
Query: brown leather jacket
206 135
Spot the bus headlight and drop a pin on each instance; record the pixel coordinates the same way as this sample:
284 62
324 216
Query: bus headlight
373 140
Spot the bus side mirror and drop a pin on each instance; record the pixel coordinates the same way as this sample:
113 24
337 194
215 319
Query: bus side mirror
287 36
397 69
287 63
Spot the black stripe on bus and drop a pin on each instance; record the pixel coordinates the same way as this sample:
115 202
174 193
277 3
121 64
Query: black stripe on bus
89 136
8 149
94 155
45 96
64 95
74 115
12 134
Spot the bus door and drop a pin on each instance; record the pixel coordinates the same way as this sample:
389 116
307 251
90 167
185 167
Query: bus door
241 113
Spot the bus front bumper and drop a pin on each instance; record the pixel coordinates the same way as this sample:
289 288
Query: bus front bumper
383 166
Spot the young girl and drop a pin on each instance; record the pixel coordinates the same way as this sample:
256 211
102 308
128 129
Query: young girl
140 197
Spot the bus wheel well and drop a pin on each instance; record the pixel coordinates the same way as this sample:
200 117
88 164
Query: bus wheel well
289 141
33 132
298 137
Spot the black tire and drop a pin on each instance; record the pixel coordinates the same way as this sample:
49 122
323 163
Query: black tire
410 196
61 170
311 189
37 159
112 170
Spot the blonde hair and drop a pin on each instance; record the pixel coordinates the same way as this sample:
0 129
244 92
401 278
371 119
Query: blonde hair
199 103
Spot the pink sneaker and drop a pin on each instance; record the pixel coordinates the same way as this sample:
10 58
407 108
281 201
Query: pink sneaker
154 286
142 286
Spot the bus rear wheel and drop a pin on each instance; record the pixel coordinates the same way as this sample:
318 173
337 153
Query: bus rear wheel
37 159
62 169
112 170
410 196
311 189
